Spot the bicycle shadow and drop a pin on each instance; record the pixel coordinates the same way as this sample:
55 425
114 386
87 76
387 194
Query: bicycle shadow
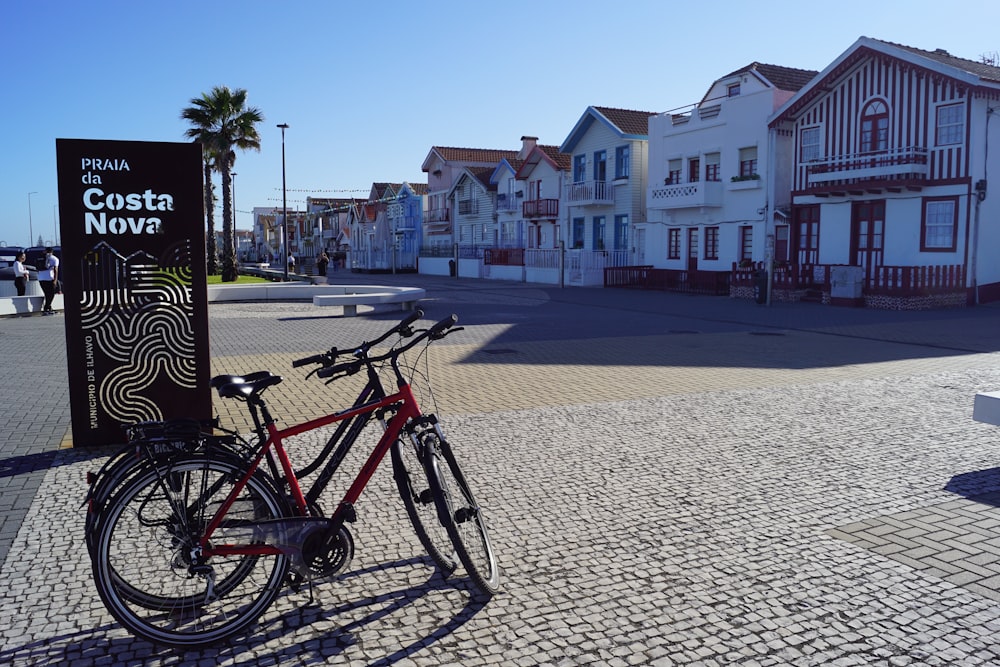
982 486
335 643
93 646
29 463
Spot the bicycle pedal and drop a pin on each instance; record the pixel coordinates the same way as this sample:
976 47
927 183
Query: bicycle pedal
463 514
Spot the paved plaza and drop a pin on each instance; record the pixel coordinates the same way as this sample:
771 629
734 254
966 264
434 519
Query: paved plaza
669 480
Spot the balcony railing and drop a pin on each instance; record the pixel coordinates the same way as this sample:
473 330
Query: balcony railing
893 164
437 215
589 193
685 195
541 208
508 204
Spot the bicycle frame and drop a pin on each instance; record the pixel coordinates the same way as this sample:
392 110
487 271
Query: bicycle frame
403 403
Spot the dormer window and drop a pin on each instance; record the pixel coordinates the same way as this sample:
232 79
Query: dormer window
733 90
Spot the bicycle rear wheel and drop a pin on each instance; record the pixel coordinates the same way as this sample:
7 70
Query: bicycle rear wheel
411 479
142 557
461 515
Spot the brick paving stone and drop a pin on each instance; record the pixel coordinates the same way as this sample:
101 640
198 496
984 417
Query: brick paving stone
655 497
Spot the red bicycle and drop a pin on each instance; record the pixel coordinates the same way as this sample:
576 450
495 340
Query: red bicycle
194 544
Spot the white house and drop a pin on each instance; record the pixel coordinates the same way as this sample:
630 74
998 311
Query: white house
889 177
710 182
605 195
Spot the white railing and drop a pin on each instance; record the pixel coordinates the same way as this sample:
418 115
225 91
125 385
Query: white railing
685 195
590 192
911 160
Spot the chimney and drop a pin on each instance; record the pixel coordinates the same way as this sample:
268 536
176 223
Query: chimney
527 143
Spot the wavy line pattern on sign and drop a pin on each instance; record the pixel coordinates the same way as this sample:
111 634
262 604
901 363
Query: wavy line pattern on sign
140 310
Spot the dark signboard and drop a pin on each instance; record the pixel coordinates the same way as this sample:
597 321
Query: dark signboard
133 273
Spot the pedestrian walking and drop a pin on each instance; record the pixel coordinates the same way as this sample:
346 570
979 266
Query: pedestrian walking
48 278
321 264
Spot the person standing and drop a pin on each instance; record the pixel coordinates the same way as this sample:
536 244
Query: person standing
48 278
291 263
321 264
21 274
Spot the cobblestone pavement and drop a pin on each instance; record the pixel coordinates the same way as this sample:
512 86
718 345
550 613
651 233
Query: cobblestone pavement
670 480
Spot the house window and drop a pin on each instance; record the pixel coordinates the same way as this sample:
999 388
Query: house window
578 227
622 162
748 161
733 89
746 243
809 144
673 244
875 127
673 172
950 125
601 166
940 224
598 232
621 232
694 170
579 168
712 167
711 243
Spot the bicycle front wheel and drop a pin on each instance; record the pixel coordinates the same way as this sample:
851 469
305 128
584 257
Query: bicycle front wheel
414 489
150 528
461 515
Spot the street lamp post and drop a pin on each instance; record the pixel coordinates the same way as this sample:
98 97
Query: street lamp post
31 229
284 202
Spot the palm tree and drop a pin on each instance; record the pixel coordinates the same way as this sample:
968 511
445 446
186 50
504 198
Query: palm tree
213 253
223 123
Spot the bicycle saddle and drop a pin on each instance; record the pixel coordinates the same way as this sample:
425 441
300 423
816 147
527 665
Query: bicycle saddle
243 388
223 380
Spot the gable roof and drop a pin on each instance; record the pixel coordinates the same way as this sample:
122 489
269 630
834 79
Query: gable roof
782 78
551 154
938 62
467 155
480 175
978 69
626 123
512 165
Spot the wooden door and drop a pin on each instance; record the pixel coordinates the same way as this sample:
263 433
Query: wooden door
867 235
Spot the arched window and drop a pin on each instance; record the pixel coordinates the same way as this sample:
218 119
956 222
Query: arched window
875 127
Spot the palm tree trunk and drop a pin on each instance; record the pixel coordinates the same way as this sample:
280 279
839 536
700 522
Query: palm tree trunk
229 268
212 256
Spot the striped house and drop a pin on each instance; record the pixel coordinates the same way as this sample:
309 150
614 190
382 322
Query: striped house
888 201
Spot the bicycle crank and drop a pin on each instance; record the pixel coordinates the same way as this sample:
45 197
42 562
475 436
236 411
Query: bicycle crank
327 553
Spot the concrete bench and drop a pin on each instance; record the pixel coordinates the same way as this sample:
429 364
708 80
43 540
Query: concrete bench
352 296
28 304
986 407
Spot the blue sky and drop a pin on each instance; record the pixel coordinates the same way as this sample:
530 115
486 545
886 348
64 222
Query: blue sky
368 88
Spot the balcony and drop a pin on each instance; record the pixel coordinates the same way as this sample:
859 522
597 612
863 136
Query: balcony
541 208
904 167
590 193
685 195
508 203
437 215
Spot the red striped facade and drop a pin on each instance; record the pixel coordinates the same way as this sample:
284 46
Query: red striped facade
889 147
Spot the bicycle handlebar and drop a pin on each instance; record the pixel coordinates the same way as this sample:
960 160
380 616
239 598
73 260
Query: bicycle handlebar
314 359
436 332
329 357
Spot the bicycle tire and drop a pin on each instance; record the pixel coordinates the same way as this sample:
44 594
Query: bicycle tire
143 541
153 600
418 498
461 515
